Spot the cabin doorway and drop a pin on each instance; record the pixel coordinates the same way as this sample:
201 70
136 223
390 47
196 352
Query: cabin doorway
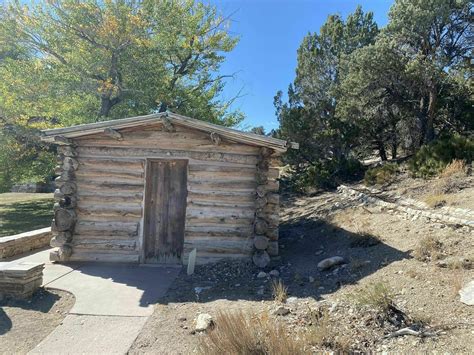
165 210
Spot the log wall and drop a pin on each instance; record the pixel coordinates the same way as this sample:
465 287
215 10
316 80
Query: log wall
107 176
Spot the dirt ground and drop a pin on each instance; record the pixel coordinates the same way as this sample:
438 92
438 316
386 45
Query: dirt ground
24 324
378 247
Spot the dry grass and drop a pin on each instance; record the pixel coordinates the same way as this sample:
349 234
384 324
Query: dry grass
376 296
242 334
455 168
435 200
323 333
428 248
279 291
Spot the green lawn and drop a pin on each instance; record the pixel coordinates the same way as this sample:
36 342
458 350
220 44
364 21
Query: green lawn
22 212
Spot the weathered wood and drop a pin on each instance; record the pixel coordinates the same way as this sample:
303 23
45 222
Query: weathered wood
157 153
215 138
61 140
70 164
261 258
260 242
167 125
272 233
64 219
67 151
272 248
88 255
261 202
261 226
165 209
112 133
65 252
106 244
68 188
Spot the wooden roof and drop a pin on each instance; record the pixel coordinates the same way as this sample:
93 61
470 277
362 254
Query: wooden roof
49 135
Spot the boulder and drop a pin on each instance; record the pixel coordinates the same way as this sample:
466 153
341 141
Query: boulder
467 294
261 275
330 262
203 322
281 311
274 273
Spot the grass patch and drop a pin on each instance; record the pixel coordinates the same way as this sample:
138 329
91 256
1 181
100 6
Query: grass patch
435 201
239 333
429 248
381 175
279 291
377 296
22 212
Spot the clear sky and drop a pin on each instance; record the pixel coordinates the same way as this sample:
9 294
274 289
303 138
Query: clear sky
270 32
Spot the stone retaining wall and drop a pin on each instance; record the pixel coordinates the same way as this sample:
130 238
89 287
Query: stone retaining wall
20 280
24 242
416 209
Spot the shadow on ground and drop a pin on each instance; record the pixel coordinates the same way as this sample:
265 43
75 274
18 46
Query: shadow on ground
304 241
41 301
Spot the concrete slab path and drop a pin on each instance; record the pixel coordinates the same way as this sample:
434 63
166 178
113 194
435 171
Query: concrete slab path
113 302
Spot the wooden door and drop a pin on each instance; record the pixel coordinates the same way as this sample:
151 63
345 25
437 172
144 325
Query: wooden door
165 210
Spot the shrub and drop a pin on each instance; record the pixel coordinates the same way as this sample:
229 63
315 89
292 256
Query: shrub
239 333
435 201
326 174
377 296
455 168
381 175
429 248
432 158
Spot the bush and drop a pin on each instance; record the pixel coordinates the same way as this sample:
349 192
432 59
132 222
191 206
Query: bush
381 175
428 248
239 333
375 296
433 158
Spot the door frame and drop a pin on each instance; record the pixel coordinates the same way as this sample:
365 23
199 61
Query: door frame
141 239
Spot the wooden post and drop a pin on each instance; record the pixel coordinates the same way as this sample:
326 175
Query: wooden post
267 208
65 217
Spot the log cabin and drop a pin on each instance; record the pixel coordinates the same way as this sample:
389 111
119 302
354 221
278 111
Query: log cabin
151 189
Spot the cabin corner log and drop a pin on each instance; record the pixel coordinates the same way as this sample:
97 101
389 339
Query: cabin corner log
266 207
65 216
112 133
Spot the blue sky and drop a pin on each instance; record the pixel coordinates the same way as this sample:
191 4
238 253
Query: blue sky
270 32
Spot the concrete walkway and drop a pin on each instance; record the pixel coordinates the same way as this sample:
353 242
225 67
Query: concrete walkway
113 302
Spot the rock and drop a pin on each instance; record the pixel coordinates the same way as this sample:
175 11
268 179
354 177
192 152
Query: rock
260 290
311 279
261 259
319 252
281 311
467 294
455 262
274 273
203 322
261 274
292 299
330 262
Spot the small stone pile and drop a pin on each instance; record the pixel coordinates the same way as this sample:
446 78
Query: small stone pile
20 280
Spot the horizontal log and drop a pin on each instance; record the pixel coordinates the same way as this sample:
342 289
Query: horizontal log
200 167
185 140
105 244
67 151
272 233
64 219
103 257
260 242
109 152
107 228
219 230
118 173
202 220
68 188
216 203
108 198
223 247
112 211
111 179
222 212
225 195
134 164
108 188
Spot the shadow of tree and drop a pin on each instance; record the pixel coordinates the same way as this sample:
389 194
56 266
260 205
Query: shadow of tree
41 301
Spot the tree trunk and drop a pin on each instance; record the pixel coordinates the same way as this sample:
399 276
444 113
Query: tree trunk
422 116
382 152
394 150
433 98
